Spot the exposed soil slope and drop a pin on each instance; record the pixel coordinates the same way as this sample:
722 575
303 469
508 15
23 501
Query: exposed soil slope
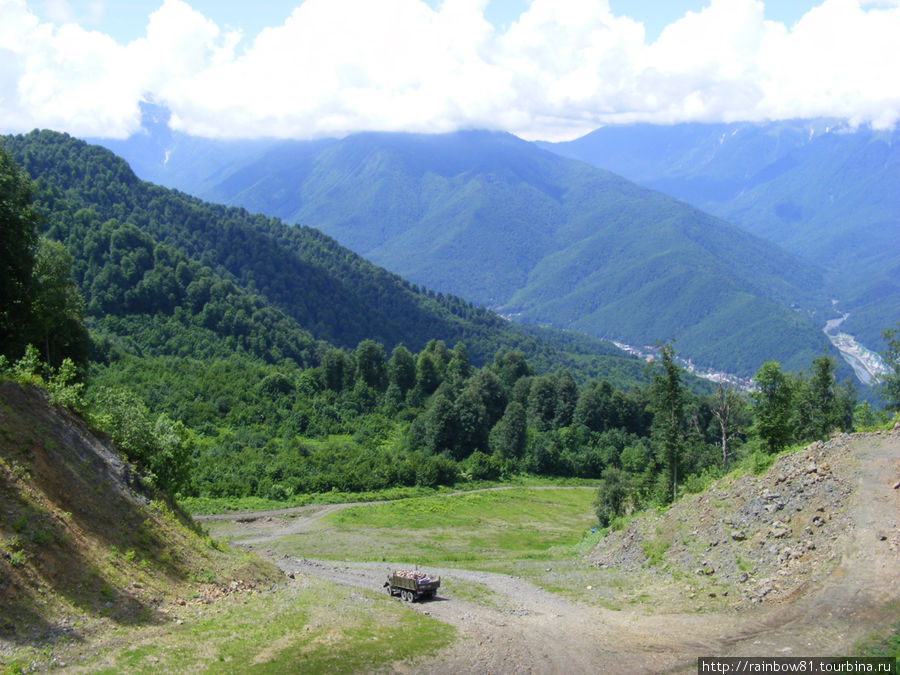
802 560
83 548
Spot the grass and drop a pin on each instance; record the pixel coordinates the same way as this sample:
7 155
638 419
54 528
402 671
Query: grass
885 643
472 591
309 627
214 505
474 528
654 549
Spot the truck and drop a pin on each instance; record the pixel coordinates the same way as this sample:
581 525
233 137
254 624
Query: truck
412 585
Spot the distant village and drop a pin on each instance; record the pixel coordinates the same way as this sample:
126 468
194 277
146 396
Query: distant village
649 354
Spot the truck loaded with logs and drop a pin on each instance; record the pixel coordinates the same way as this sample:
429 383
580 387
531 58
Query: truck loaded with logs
412 585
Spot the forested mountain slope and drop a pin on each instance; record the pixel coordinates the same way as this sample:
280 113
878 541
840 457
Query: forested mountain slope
819 188
167 274
498 221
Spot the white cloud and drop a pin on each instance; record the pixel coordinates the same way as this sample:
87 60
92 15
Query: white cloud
338 66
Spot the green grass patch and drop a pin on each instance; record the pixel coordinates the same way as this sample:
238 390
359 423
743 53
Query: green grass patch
216 505
474 592
471 528
886 643
654 549
319 628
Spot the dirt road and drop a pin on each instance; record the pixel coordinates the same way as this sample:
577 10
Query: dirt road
520 628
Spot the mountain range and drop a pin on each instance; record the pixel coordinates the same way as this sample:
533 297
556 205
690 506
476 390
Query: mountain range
819 188
536 236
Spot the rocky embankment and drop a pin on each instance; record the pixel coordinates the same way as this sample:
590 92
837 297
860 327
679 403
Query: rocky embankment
762 538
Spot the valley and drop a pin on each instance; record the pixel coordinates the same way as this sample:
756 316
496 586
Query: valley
568 608
297 309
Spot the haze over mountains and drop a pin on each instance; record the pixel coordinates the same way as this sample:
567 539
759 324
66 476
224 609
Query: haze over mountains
542 238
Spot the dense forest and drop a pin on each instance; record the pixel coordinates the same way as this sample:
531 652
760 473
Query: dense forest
216 348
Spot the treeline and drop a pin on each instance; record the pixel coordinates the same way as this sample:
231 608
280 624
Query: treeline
366 420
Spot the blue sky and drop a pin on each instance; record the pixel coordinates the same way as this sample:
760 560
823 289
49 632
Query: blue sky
125 20
551 69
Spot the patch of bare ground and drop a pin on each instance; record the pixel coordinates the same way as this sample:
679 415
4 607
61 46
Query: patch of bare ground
802 560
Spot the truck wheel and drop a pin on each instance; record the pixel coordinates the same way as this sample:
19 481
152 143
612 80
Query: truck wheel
405 596
389 591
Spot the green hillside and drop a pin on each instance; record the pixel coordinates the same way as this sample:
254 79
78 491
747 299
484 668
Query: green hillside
547 240
164 273
819 188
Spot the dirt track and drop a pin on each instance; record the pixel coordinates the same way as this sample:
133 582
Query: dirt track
532 631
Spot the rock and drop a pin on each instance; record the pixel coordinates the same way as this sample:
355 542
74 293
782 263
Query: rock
709 570
739 535
811 467
897 485
780 532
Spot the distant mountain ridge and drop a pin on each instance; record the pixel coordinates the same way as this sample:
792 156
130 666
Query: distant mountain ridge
496 220
819 188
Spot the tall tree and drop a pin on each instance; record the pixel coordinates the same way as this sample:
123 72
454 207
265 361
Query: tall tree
370 364
402 369
566 399
723 409
817 406
57 305
667 396
542 403
507 438
18 237
772 405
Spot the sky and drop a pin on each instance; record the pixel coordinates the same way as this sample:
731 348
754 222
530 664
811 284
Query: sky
542 69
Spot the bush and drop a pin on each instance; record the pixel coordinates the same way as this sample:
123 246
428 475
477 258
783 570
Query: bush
759 462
